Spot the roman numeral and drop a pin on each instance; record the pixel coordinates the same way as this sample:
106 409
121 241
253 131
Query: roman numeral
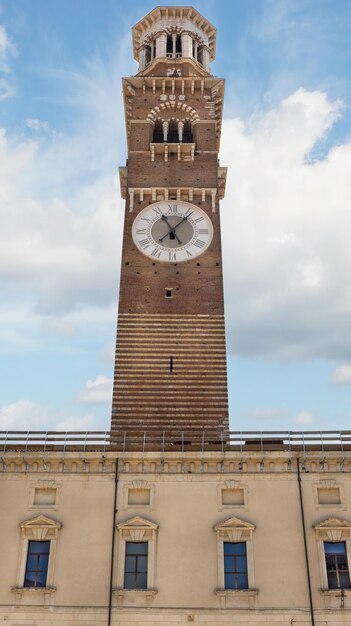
172 256
140 231
145 219
157 211
199 244
203 231
144 243
189 254
156 253
173 208
198 219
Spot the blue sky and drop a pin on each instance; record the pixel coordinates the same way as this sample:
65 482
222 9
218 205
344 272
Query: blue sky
286 216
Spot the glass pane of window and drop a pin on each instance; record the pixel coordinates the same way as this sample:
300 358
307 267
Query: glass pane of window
344 580
130 564
332 581
129 581
39 547
43 562
136 547
142 581
41 579
142 564
334 548
229 581
228 564
29 580
242 581
241 563
31 562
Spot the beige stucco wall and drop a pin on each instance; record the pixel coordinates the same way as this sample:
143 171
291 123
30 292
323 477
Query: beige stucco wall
185 506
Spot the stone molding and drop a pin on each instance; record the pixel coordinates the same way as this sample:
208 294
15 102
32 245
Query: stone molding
331 529
137 529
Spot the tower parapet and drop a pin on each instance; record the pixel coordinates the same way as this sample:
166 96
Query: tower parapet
171 33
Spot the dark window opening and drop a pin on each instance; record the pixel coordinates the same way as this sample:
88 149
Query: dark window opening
37 564
171 364
187 132
173 136
147 54
168 293
337 566
135 568
169 44
235 566
200 55
158 132
178 45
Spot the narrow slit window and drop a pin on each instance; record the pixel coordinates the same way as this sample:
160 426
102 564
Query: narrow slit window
168 293
171 364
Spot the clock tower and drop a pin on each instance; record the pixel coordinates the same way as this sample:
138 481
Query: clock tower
170 369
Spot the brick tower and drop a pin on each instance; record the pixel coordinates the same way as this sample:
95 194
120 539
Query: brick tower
170 369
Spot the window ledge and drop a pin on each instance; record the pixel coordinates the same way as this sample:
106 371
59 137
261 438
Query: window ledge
234 592
136 597
34 589
237 598
335 592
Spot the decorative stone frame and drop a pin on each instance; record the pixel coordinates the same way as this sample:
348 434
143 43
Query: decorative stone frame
235 530
232 484
329 483
44 484
139 484
332 529
136 529
39 528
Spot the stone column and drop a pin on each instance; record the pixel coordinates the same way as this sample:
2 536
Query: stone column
161 45
165 127
142 58
187 45
180 131
196 46
206 59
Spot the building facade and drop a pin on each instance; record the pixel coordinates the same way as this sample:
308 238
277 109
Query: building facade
170 517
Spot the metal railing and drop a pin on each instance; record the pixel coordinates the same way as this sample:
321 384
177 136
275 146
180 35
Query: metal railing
172 440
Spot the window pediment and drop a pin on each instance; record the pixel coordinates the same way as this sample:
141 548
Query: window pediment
137 529
40 528
234 529
333 529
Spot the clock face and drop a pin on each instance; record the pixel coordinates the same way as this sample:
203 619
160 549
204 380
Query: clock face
172 232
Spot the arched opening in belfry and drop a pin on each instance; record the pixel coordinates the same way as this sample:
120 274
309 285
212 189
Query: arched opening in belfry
169 45
178 46
187 132
173 136
158 132
147 55
200 55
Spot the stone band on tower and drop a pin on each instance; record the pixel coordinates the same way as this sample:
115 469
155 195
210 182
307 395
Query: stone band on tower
170 370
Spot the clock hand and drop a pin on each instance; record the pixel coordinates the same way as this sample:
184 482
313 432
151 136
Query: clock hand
181 221
171 229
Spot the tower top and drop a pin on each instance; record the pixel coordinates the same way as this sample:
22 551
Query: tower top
153 36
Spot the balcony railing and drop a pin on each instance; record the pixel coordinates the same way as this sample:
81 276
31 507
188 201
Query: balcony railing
172 441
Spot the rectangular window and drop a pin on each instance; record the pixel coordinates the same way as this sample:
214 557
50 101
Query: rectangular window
135 569
37 564
235 566
337 566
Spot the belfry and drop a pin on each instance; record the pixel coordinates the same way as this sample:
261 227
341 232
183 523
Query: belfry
170 371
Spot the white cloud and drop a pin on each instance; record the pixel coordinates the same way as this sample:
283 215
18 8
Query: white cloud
98 391
35 124
87 422
303 418
23 415
342 375
286 220
6 89
60 326
27 415
7 48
